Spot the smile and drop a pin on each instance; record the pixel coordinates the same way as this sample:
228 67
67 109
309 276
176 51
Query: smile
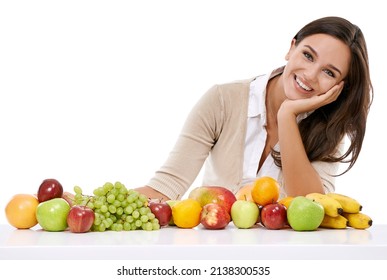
302 85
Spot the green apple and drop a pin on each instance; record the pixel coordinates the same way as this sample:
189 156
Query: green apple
304 214
52 214
244 214
171 203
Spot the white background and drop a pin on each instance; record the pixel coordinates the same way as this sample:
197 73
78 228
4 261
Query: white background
97 91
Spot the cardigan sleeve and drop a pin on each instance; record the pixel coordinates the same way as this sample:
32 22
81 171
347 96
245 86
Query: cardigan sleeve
199 133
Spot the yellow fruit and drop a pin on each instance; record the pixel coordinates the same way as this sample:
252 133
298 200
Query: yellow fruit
244 193
186 213
349 204
331 206
265 191
338 222
21 211
358 220
286 201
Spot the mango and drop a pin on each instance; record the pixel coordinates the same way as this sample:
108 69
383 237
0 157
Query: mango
213 194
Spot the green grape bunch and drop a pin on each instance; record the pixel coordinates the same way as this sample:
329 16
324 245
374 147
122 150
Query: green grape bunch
117 208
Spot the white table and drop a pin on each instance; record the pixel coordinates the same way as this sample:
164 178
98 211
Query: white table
189 244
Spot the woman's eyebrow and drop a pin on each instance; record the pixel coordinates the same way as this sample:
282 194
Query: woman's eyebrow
316 54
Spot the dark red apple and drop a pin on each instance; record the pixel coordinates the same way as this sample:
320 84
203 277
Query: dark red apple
162 211
49 189
273 216
80 219
214 216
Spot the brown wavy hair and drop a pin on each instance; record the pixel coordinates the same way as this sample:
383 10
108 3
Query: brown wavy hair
325 128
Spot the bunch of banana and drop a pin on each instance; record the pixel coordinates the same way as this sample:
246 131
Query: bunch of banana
331 206
341 211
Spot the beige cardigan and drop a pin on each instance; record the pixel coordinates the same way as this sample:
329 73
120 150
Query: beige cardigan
214 132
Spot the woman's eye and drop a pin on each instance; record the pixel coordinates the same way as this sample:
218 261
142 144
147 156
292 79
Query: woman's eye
329 72
308 56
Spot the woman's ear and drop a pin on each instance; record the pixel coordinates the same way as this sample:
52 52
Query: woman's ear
292 46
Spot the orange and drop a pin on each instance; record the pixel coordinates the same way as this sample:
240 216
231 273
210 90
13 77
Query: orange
265 191
21 211
244 193
186 213
286 201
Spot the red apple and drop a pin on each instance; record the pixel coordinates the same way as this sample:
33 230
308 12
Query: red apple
213 194
162 211
214 216
49 189
80 219
273 216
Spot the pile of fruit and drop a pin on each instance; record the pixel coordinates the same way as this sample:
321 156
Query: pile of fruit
114 207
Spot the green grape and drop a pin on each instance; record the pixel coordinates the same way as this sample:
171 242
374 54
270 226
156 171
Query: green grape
104 208
78 197
134 205
148 226
151 216
144 218
120 197
118 208
118 185
144 210
97 220
128 210
120 211
127 226
111 198
77 190
112 209
98 192
124 203
123 191
136 214
107 187
114 191
119 227
98 204
129 219
155 226
143 198
102 227
138 223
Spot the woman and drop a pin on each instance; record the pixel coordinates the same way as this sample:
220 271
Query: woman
289 124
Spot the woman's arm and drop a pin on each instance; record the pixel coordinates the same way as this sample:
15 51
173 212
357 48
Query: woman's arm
300 177
152 193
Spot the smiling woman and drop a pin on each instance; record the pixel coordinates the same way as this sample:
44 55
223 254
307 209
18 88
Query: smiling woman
305 109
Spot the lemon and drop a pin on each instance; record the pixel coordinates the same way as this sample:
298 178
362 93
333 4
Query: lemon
186 213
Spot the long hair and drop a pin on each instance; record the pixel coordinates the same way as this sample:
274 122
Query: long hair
323 130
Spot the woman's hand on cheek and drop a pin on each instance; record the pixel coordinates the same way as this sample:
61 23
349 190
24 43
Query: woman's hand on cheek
299 106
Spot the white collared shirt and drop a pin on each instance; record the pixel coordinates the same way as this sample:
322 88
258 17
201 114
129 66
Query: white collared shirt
256 135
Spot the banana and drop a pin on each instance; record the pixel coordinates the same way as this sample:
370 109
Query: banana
348 204
358 220
331 206
338 222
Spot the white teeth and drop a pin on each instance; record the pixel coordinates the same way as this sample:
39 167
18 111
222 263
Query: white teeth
301 84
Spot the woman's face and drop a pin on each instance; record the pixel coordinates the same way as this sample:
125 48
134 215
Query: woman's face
315 65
